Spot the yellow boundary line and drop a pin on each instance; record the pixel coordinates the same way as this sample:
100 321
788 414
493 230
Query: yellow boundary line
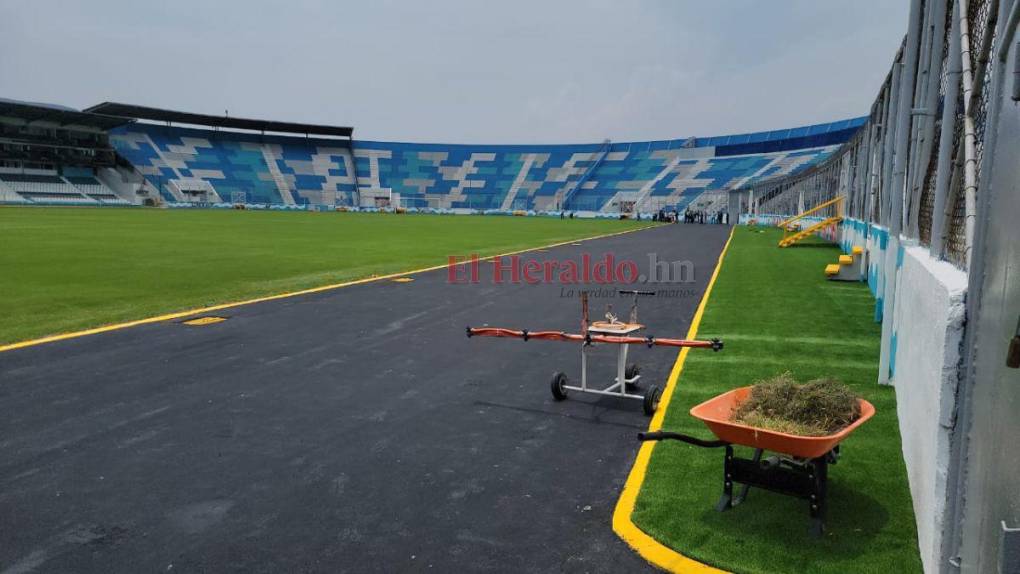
189 312
649 548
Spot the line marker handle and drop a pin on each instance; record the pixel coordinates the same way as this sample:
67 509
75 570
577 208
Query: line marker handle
667 435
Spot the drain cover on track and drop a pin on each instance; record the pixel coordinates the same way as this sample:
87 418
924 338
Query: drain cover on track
207 320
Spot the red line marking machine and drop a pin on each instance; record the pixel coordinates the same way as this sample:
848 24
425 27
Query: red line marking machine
612 331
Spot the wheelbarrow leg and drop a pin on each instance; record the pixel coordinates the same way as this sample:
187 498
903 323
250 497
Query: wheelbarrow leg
819 478
746 487
726 500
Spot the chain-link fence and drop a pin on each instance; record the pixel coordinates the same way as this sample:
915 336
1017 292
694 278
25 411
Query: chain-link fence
914 167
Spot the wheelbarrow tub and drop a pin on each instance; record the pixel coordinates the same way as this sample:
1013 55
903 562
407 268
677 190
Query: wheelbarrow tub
716 414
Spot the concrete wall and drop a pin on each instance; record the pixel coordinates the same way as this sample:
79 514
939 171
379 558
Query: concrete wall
924 364
874 239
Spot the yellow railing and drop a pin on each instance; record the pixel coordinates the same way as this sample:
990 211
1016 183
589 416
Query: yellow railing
789 240
838 202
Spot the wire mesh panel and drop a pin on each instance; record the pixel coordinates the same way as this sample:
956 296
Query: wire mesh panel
924 215
928 191
956 241
982 21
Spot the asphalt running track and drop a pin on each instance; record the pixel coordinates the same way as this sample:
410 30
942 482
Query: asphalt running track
355 430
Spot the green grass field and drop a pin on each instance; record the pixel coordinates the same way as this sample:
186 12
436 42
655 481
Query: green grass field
66 269
776 312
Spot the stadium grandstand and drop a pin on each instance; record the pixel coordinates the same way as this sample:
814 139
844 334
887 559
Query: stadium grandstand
54 155
159 156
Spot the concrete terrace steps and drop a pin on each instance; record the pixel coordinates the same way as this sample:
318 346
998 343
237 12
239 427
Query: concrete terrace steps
849 267
274 170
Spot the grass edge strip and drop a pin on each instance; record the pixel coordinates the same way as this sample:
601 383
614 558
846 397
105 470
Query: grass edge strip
650 549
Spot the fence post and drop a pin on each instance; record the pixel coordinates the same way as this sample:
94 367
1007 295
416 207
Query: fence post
943 174
902 136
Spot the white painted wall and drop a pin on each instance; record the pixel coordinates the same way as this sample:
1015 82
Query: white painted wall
922 362
927 333
874 240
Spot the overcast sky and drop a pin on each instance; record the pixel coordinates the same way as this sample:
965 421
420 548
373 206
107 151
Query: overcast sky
463 71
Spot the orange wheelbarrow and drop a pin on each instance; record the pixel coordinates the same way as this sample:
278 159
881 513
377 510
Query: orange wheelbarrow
799 467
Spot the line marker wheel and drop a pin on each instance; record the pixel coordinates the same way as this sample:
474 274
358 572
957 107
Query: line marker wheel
651 400
631 376
558 386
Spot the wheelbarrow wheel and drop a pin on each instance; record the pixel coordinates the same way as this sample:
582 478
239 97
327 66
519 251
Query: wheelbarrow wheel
632 371
651 402
556 386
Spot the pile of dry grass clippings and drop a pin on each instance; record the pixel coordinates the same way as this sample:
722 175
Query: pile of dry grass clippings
816 408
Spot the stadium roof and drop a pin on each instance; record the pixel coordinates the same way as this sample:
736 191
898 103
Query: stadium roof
171 116
30 112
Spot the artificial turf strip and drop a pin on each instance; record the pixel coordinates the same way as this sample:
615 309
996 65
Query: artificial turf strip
66 269
775 311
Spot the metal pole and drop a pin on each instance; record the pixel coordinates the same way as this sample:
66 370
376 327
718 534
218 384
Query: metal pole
969 143
943 175
937 24
889 134
917 117
903 117
878 158
902 136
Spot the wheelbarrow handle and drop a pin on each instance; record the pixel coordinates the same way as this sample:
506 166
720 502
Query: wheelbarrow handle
667 435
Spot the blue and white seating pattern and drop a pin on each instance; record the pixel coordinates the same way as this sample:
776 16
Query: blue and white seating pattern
281 170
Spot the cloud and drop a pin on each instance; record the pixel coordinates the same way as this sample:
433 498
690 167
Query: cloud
460 70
